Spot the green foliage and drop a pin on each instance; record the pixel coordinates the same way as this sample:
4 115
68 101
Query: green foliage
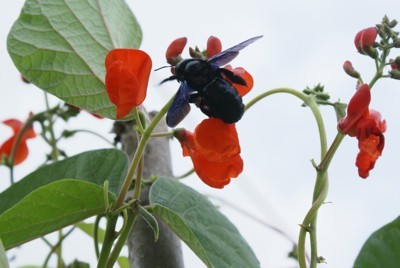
60 46
151 221
88 228
123 262
211 236
3 256
382 248
60 194
50 208
93 166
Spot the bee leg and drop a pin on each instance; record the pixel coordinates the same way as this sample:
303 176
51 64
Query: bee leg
232 77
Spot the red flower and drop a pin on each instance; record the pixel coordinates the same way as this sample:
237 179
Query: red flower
367 126
239 71
215 151
174 50
127 76
22 150
365 40
214 46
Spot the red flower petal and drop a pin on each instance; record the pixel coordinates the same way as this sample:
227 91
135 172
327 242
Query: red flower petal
365 39
175 49
22 150
215 174
127 77
358 105
215 140
370 149
214 46
239 71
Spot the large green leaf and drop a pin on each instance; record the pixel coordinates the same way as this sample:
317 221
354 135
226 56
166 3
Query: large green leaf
93 166
60 46
211 236
50 208
3 256
382 249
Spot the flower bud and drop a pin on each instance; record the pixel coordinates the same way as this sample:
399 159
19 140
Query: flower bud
395 64
214 46
349 69
174 50
364 41
395 74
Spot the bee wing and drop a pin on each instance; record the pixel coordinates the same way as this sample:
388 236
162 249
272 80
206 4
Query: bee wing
180 106
229 54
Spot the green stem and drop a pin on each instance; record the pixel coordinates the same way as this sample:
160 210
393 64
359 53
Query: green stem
122 238
96 235
109 238
321 183
138 182
139 152
53 140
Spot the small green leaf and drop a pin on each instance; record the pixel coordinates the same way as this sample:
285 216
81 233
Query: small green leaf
50 208
382 248
3 256
60 46
211 236
88 228
94 166
123 262
151 221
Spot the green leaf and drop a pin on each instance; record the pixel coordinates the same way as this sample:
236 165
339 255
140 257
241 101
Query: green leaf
88 228
123 262
382 248
211 236
93 166
50 208
3 256
60 46
151 221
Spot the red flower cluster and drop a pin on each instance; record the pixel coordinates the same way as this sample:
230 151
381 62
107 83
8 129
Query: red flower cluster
367 126
365 40
214 46
215 151
22 150
127 76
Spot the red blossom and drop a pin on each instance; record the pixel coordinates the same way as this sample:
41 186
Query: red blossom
174 50
215 151
127 76
214 46
365 40
368 126
246 76
22 150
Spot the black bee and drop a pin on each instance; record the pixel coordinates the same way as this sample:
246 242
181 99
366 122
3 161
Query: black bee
203 83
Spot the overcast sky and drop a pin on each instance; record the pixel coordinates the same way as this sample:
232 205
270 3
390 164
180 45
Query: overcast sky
305 43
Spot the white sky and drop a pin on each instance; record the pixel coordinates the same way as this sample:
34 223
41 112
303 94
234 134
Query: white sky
305 43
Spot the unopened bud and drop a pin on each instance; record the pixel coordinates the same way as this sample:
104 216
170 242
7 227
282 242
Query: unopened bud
396 43
195 53
174 50
392 23
349 69
395 74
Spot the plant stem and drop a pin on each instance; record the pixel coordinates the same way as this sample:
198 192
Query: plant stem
122 238
109 238
139 152
95 134
321 183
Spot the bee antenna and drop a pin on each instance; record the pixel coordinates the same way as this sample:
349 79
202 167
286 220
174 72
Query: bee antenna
163 67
